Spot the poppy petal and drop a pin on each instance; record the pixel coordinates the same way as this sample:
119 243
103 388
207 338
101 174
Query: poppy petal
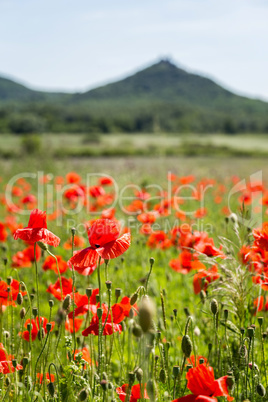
116 248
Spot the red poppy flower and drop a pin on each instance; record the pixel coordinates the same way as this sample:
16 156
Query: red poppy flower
55 289
37 230
203 278
25 258
112 325
6 365
186 262
261 237
78 242
72 326
49 378
8 297
50 263
202 384
35 328
73 177
3 232
83 306
135 392
85 355
105 242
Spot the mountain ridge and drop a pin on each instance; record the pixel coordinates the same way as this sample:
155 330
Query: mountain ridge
163 96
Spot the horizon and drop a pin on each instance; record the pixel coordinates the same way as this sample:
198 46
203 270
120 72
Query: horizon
71 47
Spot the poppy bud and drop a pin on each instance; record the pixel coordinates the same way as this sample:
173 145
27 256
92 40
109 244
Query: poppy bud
214 306
151 261
175 311
14 363
146 313
242 331
108 285
66 303
162 376
97 299
260 321
25 361
89 292
137 331
186 345
73 231
31 296
226 313
186 311
201 360
264 335
29 327
7 381
51 389
51 303
261 390
188 367
22 313
83 395
209 347
104 385
48 327
19 299
4 259
42 245
176 371
133 298
99 312
139 375
9 280
118 292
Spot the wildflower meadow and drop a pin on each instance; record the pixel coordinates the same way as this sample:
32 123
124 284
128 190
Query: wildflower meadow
119 290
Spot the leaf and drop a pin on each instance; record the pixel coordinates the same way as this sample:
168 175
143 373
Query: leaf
229 325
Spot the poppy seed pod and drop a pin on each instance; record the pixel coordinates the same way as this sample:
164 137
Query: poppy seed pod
250 332
186 345
261 390
89 292
66 303
51 389
108 285
51 303
14 363
35 311
260 321
48 327
42 245
214 306
9 280
131 378
146 313
176 371
151 261
118 292
73 231
99 312
104 385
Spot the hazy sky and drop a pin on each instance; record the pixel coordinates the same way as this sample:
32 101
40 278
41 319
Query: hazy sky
79 44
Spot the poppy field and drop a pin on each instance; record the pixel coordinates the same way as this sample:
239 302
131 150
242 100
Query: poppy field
130 284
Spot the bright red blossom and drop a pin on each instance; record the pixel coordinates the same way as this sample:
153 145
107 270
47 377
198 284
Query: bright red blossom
37 230
105 242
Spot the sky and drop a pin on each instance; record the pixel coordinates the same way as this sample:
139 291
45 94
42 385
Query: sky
75 45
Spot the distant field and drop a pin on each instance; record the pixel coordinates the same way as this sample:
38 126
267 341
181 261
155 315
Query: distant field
76 145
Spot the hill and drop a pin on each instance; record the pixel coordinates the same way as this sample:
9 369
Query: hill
159 98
